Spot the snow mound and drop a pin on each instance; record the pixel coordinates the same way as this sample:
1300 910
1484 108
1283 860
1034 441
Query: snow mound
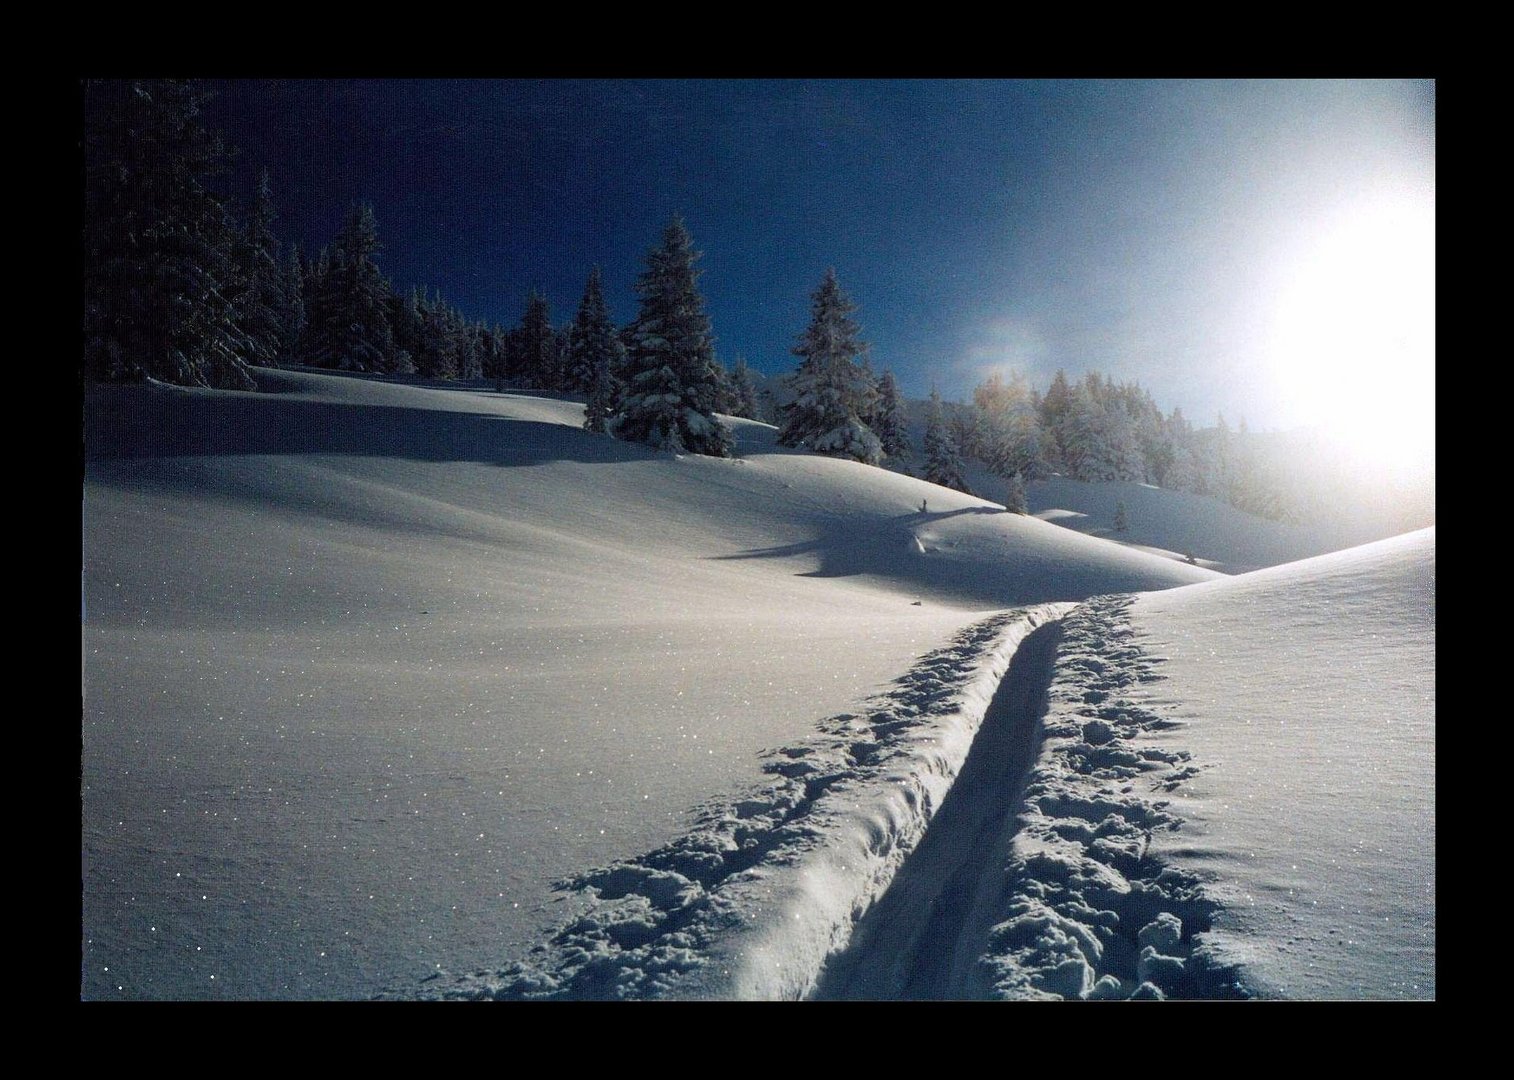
1308 691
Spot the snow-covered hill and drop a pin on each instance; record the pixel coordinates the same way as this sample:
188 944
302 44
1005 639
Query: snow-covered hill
1180 524
369 665
1306 695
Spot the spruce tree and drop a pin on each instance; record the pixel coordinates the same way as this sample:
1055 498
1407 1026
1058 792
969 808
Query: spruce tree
744 387
832 392
1056 410
291 340
943 464
594 347
353 333
440 336
534 346
893 425
261 301
601 395
159 268
671 381
1014 496
496 357
1011 429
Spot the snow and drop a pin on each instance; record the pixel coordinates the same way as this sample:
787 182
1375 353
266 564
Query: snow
1179 523
1306 696
369 666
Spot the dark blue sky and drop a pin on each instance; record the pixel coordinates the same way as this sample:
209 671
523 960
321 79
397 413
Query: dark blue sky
1140 228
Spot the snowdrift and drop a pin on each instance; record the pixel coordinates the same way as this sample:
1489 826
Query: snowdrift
1306 694
368 666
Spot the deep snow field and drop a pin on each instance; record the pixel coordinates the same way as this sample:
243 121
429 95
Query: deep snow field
1306 694
368 666
405 690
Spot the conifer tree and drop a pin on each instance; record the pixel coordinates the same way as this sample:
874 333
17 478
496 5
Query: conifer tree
496 357
1121 517
405 324
1010 426
832 392
291 340
601 395
893 426
594 347
943 464
1056 411
671 381
159 268
534 346
744 389
261 300
354 333
1014 496
437 357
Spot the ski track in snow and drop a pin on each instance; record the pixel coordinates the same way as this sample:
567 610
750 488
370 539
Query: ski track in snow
1086 911
765 886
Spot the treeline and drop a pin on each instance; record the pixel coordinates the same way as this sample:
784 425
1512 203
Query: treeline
180 287
1091 430
1097 429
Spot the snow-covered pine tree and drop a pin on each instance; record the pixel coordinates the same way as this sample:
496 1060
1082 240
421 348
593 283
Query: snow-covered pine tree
354 332
1014 496
893 425
964 421
832 392
1011 428
594 348
744 386
292 336
436 356
943 464
601 395
471 353
159 272
261 300
671 382
534 346
1056 411
1121 517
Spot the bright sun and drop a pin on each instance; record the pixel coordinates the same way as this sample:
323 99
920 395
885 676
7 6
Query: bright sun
1353 343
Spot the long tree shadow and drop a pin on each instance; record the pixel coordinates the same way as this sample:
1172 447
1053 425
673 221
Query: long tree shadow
143 422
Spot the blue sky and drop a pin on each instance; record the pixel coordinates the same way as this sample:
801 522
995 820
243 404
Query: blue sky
1141 228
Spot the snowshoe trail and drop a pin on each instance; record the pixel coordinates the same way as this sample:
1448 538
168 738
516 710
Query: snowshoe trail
981 830
765 886
1035 880
916 942
1084 910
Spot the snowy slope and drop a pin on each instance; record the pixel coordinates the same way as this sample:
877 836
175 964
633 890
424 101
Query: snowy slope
1306 695
1180 523
369 666
1220 791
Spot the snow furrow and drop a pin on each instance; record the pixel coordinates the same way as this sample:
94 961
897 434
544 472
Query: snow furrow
924 936
766 886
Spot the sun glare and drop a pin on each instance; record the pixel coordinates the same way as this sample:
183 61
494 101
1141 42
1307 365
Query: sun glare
1353 344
